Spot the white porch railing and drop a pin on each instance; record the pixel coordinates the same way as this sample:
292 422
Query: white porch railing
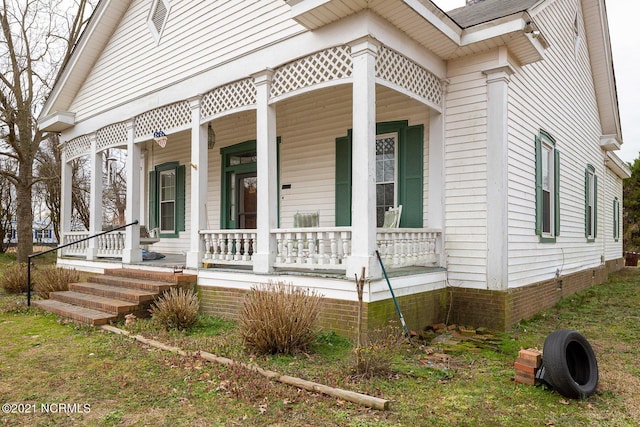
79 249
313 247
109 245
234 247
404 247
322 248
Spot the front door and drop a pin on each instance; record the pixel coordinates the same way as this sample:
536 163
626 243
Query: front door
246 195
239 186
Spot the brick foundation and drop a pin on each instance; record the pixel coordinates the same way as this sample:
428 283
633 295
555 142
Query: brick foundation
500 310
418 310
496 310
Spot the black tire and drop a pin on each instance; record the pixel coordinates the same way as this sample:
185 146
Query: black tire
570 364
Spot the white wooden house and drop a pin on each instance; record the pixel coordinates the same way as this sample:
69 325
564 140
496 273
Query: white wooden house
292 126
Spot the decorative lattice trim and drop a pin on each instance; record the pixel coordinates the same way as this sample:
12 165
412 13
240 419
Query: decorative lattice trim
77 147
403 72
173 116
330 64
112 135
228 97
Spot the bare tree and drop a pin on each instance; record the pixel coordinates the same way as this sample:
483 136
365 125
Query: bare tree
49 170
80 193
115 188
7 207
37 38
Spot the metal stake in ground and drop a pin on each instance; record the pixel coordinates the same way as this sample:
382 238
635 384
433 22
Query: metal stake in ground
395 301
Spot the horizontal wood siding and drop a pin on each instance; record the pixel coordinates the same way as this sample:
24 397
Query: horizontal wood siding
198 35
556 95
612 189
173 152
307 126
229 130
466 171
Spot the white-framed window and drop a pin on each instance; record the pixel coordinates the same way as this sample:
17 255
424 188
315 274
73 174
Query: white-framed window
547 188
167 193
616 219
386 174
591 203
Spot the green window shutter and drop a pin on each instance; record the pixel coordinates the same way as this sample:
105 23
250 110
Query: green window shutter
343 181
556 191
538 149
595 206
410 176
180 197
153 201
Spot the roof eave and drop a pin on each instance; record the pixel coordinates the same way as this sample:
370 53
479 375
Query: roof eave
85 53
57 121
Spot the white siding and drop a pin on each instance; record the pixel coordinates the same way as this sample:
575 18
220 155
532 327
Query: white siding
198 35
556 95
230 130
612 189
176 150
308 127
466 171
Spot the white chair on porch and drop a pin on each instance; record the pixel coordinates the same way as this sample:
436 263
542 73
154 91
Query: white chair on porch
392 217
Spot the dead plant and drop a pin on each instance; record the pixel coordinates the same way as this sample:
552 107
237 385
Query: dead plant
54 279
176 309
13 278
279 318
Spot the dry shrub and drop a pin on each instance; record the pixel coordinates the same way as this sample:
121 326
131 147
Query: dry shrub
376 356
176 309
53 279
14 278
278 318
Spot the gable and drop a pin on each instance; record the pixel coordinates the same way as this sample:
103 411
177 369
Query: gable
137 60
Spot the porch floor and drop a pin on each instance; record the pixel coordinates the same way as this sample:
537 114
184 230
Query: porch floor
173 261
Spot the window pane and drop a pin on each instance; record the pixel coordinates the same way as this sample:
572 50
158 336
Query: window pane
167 185
546 212
385 175
167 200
167 216
546 155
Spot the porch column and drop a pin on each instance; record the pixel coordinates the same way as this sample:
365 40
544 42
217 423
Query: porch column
497 178
95 198
363 199
65 197
435 198
199 175
266 170
132 252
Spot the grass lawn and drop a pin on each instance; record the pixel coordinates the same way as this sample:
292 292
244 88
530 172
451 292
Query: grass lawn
110 380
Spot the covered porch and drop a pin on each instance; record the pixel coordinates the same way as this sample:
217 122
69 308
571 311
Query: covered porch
299 139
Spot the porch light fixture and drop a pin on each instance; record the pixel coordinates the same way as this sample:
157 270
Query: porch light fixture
160 138
211 137
530 28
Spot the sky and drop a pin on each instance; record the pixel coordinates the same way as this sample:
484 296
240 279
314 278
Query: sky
625 46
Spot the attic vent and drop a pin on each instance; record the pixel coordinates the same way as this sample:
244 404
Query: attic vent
158 17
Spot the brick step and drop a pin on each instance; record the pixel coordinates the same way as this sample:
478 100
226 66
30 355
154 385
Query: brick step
109 305
155 276
132 283
137 296
80 314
